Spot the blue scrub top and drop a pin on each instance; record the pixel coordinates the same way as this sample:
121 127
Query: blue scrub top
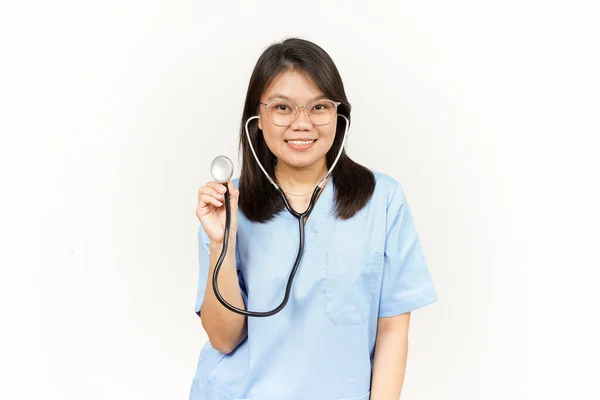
321 345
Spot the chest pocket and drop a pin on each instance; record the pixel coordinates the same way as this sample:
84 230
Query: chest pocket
351 281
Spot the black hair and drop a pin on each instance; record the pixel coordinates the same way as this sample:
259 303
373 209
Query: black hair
353 183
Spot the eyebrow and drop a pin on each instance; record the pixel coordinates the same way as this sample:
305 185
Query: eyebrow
283 96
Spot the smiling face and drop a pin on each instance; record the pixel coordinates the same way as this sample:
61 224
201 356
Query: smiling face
302 144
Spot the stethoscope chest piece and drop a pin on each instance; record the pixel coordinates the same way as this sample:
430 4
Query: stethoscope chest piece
221 169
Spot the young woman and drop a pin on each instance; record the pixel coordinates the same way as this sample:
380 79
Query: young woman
344 331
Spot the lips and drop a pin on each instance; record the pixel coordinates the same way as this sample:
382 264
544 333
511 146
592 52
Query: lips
300 140
300 144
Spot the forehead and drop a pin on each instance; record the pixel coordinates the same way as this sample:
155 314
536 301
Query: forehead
294 85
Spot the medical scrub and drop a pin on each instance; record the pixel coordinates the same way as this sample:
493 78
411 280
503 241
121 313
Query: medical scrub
321 345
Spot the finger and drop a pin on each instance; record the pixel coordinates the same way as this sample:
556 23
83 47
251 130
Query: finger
208 199
217 186
212 192
232 189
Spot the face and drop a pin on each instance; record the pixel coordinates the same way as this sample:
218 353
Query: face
288 144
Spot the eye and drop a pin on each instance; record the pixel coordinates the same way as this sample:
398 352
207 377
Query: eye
281 108
320 107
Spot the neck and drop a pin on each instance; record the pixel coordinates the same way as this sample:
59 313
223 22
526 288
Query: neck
300 180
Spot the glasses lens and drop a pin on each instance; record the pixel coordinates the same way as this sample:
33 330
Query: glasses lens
282 112
322 112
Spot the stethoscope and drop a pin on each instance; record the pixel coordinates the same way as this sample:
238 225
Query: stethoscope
222 170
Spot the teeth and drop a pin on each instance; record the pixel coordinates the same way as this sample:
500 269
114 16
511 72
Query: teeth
300 142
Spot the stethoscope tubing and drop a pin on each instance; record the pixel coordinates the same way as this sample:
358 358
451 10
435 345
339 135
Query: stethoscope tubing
301 227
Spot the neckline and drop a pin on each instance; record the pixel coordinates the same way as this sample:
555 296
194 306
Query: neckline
316 221
322 205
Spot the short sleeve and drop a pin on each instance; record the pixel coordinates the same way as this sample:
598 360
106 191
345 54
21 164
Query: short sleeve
204 261
406 283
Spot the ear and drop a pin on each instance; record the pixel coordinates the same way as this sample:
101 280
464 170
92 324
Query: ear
259 123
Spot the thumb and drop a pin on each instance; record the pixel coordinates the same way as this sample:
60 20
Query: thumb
234 193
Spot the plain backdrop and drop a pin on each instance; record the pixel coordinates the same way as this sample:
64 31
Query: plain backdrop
112 111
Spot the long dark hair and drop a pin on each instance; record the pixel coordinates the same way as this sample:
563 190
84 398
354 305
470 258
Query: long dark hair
353 183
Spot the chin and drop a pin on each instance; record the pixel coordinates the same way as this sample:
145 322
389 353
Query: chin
300 162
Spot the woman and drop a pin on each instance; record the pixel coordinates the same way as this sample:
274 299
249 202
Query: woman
343 333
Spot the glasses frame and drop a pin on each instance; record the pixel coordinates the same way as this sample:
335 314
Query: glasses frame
336 103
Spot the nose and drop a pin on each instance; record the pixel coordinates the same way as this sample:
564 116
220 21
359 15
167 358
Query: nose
302 122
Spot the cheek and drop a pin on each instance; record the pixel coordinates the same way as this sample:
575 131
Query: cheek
328 135
273 137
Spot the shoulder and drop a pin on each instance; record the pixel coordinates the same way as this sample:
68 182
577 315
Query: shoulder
387 185
384 179
390 192
236 182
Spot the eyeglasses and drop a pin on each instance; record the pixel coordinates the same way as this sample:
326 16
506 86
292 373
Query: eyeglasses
283 112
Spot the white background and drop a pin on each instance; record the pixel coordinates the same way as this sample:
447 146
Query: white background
111 112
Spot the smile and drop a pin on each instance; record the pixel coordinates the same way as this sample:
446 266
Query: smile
300 144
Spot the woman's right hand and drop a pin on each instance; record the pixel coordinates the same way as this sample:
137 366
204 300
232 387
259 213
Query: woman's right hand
211 209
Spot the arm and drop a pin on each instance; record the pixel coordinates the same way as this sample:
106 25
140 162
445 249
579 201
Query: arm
391 349
225 329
